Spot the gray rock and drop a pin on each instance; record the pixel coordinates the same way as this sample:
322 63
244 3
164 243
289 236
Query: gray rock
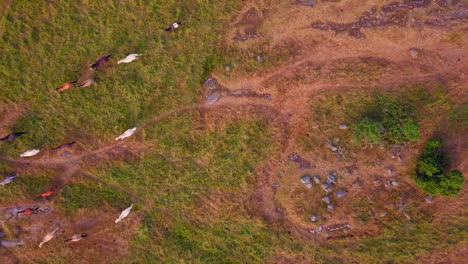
377 181
340 193
228 67
260 58
314 218
331 207
310 3
383 214
331 177
317 179
429 199
306 179
389 171
66 153
212 97
211 84
308 185
414 52
394 183
327 187
326 199
334 148
343 126
388 183
357 184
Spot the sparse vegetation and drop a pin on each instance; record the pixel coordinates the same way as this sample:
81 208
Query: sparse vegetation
369 131
212 184
430 171
389 119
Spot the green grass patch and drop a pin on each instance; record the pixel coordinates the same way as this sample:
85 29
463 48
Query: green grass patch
91 195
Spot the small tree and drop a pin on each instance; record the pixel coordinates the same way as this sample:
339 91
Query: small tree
429 172
452 182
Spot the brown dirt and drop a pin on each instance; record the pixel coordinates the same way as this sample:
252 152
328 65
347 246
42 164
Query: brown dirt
317 69
317 66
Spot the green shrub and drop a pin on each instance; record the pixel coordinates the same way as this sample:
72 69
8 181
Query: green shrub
368 130
452 182
389 119
411 131
429 170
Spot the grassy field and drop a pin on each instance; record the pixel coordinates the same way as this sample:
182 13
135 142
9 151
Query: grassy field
191 175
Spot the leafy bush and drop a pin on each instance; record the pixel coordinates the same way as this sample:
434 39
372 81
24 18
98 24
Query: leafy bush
430 176
368 130
389 120
411 131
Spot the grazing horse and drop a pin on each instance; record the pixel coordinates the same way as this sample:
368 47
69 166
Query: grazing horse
129 58
66 86
30 153
48 237
65 146
100 62
87 82
47 193
12 136
124 214
174 26
76 237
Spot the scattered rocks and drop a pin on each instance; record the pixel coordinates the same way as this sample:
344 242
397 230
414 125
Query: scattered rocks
249 93
327 187
250 22
331 177
429 199
307 181
389 171
228 67
337 227
331 207
315 231
388 183
409 4
214 90
260 58
343 126
212 97
310 3
340 193
303 164
357 184
383 214
314 218
447 3
333 146
368 19
414 52
391 183
377 181
326 199
317 179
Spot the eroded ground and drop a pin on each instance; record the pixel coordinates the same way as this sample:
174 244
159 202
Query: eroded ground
300 69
